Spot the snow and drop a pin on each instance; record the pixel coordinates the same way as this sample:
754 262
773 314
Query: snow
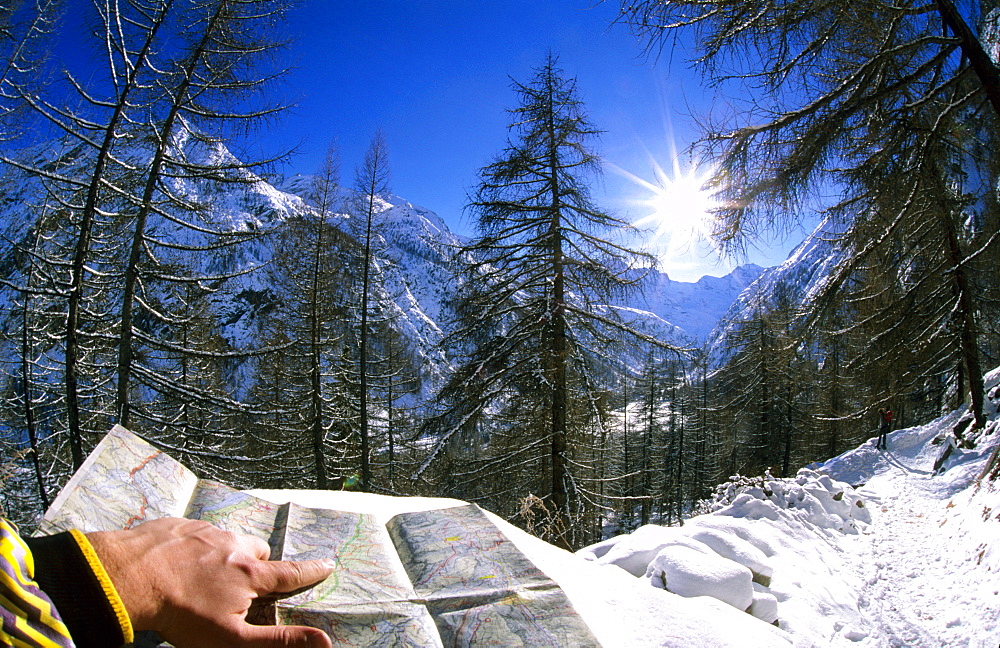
692 569
907 558
870 549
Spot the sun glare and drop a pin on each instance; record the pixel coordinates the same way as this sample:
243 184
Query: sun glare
678 211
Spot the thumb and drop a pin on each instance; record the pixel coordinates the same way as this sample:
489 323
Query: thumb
284 637
282 576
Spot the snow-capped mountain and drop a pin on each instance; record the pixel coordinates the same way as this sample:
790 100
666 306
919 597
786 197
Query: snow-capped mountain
419 273
417 277
696 308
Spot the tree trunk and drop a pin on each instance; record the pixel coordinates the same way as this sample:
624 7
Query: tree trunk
966 322
132 269
29 405
363 362
315 352
82 251
558 351
973 50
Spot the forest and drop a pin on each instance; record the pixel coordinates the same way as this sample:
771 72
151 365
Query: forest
135 243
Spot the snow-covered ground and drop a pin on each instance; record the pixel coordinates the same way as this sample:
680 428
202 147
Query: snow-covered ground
926 572
870 549
909 557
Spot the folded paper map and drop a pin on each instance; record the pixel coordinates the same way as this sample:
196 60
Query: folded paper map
447 577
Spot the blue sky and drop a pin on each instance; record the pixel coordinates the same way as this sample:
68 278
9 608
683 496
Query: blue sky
435 77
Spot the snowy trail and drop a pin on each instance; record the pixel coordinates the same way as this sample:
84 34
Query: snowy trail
910 545
905 545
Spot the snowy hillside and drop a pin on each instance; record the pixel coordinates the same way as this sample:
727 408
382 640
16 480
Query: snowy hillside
802 273
907 556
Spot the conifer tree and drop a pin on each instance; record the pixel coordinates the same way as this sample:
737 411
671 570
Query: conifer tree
134 249
531 326
372 186
295 383
675 437
753 388
322 276
698 415
212 81
129 38
394 376
26 38
652 432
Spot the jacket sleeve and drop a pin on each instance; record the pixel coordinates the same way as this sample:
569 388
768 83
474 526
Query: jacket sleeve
65 570
29 618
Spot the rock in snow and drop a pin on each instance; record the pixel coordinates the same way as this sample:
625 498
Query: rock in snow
692 569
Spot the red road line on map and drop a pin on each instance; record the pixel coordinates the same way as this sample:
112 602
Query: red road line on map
141 515
142 464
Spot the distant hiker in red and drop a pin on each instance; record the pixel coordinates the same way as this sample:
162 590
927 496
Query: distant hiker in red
885 421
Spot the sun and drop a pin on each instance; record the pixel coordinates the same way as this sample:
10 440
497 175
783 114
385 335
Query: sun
678 211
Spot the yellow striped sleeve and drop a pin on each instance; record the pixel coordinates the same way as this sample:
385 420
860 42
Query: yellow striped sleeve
27 616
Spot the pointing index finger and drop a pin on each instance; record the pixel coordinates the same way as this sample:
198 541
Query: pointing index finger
288 576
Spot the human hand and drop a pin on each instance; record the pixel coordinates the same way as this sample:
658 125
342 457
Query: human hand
193 583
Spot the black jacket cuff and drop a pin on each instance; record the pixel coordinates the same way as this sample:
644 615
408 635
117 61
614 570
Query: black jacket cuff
63 572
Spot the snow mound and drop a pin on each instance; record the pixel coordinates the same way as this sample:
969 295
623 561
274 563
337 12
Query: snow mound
812 497
721 554
692 569
635 551
815 498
